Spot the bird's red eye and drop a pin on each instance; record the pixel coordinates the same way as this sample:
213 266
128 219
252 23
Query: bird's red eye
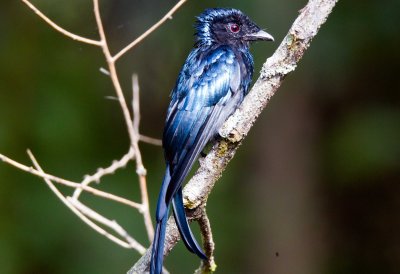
234 28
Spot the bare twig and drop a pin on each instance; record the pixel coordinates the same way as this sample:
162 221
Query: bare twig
145 207
274 70
150 30
60 29
112 224
113 73
133 134
79 214
101 172
150 140
132 125
104 71
135 102
68 183
140 170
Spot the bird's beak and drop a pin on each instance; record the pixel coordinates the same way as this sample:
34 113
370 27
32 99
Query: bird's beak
259 36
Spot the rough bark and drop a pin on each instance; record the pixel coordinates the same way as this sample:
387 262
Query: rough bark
235 129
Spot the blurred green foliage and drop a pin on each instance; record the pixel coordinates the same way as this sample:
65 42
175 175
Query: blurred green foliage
314 188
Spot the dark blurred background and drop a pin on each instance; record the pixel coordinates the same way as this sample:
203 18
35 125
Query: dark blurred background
314 188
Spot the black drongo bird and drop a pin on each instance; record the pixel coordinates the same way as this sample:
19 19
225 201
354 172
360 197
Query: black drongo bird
211 85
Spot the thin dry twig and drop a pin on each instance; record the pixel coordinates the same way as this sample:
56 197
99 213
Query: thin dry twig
134 135
100 230
135 102
167 16
140 169
112 224
101 172
113 74
150 140
60 29
82 211
132 125
68 183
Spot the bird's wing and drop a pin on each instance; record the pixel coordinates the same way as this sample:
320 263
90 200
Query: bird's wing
207 92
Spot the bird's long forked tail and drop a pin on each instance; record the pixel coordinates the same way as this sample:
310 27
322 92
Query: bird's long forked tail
157 253
183 226
162 212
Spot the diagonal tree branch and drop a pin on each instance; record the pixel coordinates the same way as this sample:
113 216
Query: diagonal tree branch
235 129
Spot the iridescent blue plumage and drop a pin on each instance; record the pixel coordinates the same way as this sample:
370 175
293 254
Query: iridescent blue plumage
211 85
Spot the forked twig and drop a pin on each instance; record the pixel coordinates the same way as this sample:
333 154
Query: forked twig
68 183
132 124
112 224
113 74
86 220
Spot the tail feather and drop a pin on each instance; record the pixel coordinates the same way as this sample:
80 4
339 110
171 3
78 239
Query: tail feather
162 203
157 254
183 226
162 212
